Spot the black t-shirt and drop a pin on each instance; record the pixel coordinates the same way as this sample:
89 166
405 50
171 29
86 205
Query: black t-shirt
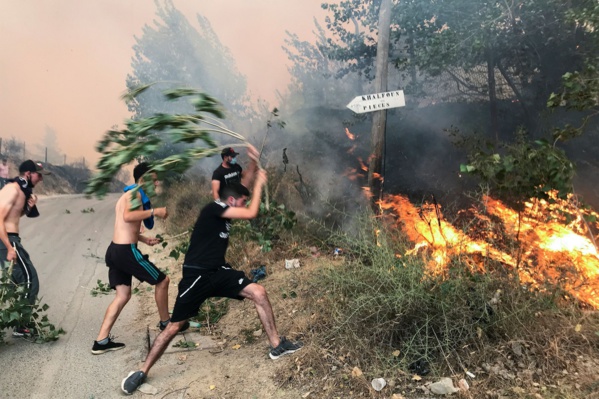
210 237
227 175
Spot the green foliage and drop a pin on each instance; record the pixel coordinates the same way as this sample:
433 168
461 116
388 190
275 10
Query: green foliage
516 172
273 220
101 288
16 311
579 92
184 344
212 310
140 140
180 249
87 210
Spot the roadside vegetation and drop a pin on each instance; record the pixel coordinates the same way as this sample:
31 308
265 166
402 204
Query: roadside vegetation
373 309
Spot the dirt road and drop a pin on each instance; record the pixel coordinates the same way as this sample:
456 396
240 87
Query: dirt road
67 244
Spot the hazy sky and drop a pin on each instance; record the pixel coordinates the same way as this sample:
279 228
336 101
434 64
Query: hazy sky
64 62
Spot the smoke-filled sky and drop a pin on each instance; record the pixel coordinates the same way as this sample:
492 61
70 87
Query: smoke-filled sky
64 62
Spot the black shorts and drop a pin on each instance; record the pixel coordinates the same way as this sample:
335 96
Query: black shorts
125 261
198 285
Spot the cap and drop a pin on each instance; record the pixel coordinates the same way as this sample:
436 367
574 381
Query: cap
229 152
30 166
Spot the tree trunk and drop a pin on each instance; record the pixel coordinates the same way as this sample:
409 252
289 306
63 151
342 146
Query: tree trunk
492 94
379 119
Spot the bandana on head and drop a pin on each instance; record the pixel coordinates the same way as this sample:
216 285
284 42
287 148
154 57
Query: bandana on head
146 204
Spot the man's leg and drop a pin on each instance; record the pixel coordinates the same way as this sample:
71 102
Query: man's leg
23 273
161 297
257 294
135 379
123 294
280 345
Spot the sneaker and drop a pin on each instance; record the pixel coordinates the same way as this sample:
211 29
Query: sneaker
285 348
98 349
22 332
133 381
162 325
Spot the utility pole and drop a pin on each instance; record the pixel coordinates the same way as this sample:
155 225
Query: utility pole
379 119
46 158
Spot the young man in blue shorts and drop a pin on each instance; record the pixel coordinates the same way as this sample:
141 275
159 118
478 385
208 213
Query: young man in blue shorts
206 274
125 261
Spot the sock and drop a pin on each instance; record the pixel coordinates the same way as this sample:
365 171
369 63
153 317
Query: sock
164 323
103 341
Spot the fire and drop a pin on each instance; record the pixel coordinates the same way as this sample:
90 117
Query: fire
550 251
363 165
349 135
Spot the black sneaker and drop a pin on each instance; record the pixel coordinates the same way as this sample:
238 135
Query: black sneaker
133 381
285 348
22 332
162 325
98 349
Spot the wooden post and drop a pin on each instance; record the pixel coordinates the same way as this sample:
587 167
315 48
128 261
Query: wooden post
379 119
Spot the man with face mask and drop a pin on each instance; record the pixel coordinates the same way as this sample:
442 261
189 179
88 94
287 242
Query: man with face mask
17 199
229 171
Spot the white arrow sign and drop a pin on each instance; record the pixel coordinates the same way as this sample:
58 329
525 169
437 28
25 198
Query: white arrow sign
377 102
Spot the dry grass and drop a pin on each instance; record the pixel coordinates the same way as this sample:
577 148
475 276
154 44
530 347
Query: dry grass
367 311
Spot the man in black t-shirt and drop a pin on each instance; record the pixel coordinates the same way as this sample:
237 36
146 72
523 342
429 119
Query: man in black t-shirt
229 171
206 274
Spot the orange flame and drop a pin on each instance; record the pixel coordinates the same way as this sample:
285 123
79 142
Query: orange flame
363 165
349 135
550 251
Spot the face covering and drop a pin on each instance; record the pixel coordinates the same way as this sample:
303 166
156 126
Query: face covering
26 188
233 161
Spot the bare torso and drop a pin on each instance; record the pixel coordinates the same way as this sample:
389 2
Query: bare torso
12 200
125 232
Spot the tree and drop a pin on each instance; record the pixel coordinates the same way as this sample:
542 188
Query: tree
174 53
315 78
466 50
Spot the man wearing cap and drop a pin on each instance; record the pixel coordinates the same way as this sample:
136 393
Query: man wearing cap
230 171
17 199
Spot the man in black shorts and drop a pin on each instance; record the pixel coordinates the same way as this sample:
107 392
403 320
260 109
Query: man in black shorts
206 274
124 260
229 171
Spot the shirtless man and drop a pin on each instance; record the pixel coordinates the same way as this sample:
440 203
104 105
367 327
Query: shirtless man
125 261
17 199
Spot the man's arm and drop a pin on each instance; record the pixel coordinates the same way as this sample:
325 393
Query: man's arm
141 214
251 211
8 198
215 189
151 241
248 175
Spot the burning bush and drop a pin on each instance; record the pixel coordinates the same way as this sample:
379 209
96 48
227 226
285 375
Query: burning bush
391 307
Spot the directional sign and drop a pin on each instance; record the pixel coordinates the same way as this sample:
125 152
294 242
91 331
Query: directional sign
377 102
